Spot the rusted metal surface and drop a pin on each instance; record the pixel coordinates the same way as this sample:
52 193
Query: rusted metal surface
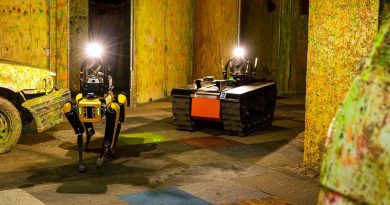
338 42
356 164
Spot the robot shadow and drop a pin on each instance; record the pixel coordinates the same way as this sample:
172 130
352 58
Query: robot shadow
94 181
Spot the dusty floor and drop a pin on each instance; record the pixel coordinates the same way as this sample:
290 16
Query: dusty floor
156 164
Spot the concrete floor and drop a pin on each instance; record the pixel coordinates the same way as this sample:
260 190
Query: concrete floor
156 164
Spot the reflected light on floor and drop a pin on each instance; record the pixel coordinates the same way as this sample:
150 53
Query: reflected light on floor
142 138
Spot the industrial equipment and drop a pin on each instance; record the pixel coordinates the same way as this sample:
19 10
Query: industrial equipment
96 101
240 102
29 98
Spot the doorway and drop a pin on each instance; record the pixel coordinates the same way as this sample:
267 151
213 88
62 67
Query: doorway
110 24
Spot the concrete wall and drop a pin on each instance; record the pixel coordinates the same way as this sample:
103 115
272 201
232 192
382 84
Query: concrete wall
215 35
36 33
340 36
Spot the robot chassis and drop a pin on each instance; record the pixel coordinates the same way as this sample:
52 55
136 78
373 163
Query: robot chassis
96 101
240 102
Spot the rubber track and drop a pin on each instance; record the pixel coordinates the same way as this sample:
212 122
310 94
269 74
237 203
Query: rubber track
238 119
181 109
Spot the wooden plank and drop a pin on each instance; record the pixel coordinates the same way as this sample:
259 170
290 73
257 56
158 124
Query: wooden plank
163 50
24 32
78 37
215 35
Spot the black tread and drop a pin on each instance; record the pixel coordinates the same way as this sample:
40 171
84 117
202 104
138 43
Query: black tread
181 109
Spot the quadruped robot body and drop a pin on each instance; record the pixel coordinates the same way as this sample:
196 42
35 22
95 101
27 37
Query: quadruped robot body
96 101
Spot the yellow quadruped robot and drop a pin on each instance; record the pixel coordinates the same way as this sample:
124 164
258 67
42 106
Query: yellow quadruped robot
96 101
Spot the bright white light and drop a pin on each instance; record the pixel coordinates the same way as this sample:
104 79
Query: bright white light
239 52
94 50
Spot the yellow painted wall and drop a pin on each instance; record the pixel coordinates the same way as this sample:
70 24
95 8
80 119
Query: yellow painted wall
340 36
25 27
78 38
215 35
163 49
59 41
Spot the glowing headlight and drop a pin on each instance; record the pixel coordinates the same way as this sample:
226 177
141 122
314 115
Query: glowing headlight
239 52
94 50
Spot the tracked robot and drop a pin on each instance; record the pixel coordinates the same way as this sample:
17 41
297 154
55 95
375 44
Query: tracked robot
95 102
240 102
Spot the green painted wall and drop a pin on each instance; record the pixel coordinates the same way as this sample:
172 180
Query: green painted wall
340 35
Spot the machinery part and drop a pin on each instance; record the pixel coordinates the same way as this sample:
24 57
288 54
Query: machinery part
181 108
213 111
81 166
90 132
248 110
242 103
47 109
242 109
10 125
118 130
99 162
95 101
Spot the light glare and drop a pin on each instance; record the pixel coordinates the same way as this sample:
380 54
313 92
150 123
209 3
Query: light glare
94 50
239 52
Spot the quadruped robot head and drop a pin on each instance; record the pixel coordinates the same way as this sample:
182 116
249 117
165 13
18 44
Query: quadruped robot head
95 79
